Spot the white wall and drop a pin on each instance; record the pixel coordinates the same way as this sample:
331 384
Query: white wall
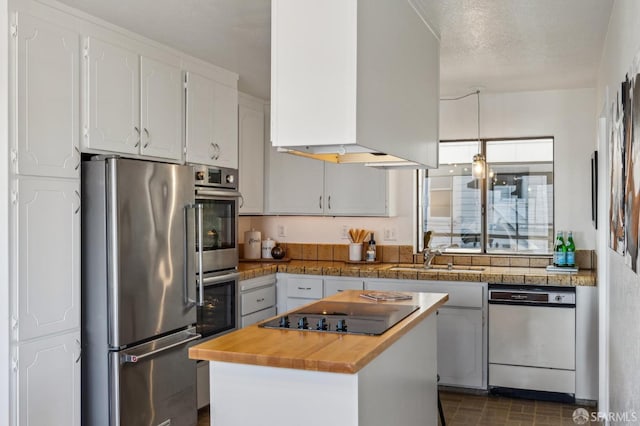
621 46
4 221
567 115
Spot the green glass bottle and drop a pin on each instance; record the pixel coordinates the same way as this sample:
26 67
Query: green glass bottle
571 250
559 251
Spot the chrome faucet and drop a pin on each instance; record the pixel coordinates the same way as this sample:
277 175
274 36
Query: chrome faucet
429 254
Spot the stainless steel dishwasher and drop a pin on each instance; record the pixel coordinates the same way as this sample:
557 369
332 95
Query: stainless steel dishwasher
532 341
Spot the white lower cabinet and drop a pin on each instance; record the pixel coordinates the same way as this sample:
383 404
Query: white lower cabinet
257 299
302 290
337 285
460 347
47 379
462 332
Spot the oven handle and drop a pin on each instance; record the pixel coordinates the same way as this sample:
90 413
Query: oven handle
224 276
212 193
189 253
200 254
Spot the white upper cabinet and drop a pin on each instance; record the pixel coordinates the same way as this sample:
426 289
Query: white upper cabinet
294 184
161 109
212 122
355 190
132 104
47 99
46 272
360 76
112 99
301 186
251 154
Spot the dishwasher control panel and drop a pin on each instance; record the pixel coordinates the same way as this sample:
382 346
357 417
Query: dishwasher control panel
511 295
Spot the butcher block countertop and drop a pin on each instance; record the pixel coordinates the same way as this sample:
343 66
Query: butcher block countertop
309 350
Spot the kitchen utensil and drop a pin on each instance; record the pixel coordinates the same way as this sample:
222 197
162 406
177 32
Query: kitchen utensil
358 235
355 252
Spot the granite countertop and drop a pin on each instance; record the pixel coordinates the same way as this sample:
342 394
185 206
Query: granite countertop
330 352
490 274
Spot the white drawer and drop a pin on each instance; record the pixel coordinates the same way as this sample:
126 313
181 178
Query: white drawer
310 288
258 300
333 286
258 316
467 295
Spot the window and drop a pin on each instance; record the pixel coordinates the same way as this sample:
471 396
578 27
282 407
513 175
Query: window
517 194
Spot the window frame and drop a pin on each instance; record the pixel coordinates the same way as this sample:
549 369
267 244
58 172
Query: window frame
421 174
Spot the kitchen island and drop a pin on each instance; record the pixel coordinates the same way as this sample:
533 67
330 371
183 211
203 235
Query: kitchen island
291 377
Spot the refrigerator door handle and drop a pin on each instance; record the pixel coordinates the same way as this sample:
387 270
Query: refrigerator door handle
189 269
125 357
200 254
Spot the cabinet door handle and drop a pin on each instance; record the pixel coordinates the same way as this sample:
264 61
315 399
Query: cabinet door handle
80 353
241 201
217 151
79 201
329 202
79 158
320 202
260 300
213 150
138 132
146 132
304 288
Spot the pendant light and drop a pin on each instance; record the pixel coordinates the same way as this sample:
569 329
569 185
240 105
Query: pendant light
479 160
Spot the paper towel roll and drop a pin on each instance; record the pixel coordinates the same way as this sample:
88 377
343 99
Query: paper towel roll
252 241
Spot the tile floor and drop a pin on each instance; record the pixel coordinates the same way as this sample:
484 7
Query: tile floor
468 410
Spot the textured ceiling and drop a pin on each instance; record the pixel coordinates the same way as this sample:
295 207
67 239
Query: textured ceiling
500 45
513 45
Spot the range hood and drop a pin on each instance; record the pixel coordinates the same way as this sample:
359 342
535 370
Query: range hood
355 81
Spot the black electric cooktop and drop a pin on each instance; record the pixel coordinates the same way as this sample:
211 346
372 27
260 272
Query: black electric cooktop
343 317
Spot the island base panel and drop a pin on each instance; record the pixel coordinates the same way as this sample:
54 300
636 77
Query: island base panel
399 386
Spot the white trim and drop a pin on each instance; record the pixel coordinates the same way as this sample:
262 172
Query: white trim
4 213
603 258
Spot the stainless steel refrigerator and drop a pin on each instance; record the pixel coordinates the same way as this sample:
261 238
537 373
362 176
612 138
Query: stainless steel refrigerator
138 293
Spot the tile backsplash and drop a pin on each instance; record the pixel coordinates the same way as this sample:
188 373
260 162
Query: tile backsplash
585 259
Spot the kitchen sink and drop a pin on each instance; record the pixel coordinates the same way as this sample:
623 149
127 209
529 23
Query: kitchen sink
453 268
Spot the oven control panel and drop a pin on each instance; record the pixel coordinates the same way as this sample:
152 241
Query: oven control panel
216 177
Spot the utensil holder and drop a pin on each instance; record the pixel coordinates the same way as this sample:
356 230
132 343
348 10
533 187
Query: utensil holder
355 252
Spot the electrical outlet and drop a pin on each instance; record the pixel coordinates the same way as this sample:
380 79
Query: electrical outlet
389 234
282 231
345 232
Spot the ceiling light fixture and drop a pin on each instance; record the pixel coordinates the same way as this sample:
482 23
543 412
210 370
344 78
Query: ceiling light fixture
479 160
479 165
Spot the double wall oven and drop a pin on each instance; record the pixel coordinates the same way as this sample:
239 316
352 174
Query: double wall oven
217 202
